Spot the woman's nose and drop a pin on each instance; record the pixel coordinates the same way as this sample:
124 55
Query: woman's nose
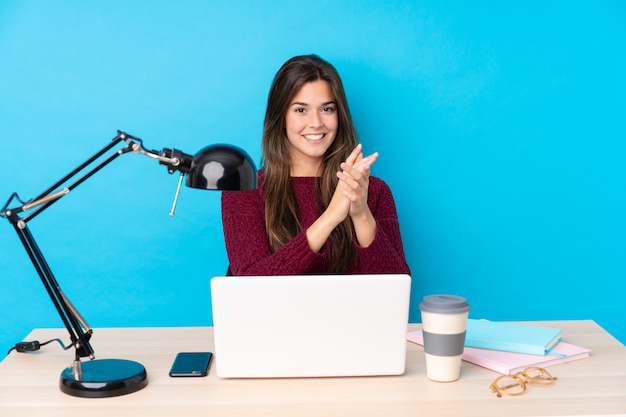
315 120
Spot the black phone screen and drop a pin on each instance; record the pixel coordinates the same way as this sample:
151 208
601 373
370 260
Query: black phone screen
191 364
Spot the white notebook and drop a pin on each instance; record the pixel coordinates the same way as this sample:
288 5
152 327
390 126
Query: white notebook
310 325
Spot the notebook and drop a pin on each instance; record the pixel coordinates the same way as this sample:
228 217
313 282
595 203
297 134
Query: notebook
511 362
511 337
310 325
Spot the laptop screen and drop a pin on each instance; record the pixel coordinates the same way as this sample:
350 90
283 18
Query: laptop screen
310 325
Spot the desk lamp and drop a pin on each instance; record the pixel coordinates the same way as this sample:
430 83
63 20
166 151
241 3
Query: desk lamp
215 167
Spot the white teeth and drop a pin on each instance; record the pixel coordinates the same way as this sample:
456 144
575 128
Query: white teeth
314 137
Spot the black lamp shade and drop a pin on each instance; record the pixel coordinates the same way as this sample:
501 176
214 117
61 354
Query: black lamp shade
222 167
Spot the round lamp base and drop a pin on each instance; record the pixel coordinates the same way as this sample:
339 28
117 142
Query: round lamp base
105 378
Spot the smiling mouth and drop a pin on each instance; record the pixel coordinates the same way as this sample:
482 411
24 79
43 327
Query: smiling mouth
314 137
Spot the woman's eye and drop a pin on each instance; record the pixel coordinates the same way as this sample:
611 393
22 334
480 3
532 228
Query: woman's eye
328 109
299 110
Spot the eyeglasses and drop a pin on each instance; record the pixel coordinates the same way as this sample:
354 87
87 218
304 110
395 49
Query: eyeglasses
516 384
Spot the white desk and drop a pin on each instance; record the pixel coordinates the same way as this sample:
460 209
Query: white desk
29 383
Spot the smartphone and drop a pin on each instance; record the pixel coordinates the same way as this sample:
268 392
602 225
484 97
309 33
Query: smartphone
191 364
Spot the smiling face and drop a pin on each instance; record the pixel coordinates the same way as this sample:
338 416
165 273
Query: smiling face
311 126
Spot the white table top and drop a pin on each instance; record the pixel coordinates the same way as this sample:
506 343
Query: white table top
29 383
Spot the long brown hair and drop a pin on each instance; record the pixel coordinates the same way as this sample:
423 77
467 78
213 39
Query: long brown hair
281 209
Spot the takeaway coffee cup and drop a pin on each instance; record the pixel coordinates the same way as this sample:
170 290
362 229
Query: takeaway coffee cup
444 320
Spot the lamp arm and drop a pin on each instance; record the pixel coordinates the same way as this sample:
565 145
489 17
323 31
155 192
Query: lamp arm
51 195
117 139
174 162
46 199
78 335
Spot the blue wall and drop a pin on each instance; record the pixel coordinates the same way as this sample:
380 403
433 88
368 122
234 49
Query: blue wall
500 127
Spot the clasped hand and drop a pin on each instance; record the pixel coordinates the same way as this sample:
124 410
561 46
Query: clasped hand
350 197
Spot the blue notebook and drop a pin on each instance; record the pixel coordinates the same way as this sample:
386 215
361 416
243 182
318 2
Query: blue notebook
508 337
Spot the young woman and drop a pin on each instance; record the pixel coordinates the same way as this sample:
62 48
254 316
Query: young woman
317 210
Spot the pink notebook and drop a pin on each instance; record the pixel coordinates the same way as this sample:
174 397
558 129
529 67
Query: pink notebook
510 363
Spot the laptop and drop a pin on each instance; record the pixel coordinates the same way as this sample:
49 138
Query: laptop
310 325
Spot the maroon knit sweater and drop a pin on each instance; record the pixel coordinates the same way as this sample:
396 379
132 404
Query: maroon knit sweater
249 253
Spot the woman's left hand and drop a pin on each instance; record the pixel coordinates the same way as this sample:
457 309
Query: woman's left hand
354 185
354 180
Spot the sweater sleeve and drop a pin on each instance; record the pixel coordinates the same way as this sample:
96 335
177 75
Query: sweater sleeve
386 252
248 249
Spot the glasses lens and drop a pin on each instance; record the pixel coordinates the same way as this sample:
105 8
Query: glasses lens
516 384
538 376
510 385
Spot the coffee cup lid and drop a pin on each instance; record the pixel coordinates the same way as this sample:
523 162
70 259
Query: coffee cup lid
444 304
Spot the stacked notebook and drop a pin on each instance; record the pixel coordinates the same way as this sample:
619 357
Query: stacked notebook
509 348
